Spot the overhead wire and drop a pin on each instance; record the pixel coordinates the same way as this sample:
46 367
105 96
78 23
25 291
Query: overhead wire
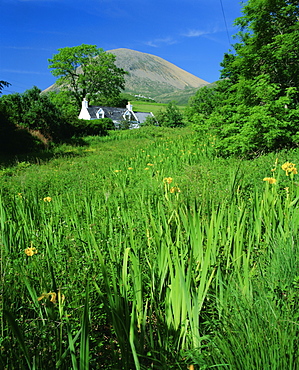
10 91
224 17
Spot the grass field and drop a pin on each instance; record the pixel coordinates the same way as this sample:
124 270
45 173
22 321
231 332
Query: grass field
141 106
145 250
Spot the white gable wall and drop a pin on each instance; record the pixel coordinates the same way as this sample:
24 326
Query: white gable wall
84 114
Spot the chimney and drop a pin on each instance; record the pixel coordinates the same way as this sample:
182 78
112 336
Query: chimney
84 103
129 107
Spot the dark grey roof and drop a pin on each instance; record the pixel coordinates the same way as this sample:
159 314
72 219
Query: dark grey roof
116 114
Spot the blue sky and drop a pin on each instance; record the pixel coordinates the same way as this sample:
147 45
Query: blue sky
192 34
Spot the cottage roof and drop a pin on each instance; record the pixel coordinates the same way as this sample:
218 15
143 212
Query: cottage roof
110 112
116 114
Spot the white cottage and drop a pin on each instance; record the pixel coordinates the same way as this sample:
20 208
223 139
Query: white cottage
116 114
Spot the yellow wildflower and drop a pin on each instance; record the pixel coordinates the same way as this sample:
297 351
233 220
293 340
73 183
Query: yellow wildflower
289 167
47 199
167 180
175 189
47 295
130 168
270 180
146 168
30 251
150 164
117 171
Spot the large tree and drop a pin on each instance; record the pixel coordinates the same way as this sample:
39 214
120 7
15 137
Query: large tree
259 106
87 72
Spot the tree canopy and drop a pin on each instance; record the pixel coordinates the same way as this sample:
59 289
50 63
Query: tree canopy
257 105
87 72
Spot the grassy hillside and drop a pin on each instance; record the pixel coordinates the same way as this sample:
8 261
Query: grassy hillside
181 97
144 250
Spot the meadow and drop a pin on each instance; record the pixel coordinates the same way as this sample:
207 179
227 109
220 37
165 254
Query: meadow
147 250
142 106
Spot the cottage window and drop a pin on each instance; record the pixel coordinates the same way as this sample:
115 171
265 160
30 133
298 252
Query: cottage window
100 113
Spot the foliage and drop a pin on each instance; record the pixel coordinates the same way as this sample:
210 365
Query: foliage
3 84
53 115
34 111
93 127
27 117
87 72
64 102
149 121
203 103
256 106
170 117
7 128
14 140
119 101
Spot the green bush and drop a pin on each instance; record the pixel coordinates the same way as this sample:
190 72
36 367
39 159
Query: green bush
149 121
14 140
94 127
170 117
35 111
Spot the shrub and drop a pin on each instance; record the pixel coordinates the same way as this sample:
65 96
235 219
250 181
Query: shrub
170 117
13 139
94 127
34 111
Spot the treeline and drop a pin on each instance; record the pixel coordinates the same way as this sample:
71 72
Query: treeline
254 108
33 120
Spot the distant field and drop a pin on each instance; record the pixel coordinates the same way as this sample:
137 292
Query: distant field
141 106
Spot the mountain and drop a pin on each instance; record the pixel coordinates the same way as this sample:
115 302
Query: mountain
152 76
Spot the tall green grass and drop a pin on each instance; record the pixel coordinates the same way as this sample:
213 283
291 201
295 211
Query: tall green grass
145 251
